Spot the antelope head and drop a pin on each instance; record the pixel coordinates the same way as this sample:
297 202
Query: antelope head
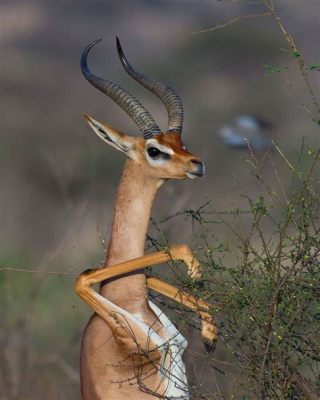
162 155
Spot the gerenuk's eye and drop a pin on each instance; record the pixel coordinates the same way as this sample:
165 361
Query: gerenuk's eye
153 152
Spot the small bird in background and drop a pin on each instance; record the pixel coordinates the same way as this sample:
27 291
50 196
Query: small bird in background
246 130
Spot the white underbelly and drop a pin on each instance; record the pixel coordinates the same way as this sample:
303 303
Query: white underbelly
172 366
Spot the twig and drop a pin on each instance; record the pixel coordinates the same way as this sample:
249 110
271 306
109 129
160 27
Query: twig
294 51
296 172
232 21
35 271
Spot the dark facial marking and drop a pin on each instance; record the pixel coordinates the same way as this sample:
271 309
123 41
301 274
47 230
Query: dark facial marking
157 154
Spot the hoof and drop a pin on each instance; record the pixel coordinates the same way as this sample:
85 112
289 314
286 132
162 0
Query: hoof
210 347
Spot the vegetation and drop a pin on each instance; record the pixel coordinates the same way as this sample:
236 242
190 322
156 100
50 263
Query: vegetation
264 284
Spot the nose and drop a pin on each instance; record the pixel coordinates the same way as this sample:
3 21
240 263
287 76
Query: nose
199 167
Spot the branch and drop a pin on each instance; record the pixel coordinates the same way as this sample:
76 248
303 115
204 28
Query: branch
296 53
31 271
232 21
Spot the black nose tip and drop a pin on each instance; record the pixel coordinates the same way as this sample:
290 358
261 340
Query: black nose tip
200 167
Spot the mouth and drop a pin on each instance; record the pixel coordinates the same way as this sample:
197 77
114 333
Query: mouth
193 175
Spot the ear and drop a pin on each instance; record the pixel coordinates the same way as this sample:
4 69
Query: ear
113 137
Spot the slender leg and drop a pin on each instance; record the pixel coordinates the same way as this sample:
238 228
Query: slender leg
119 320
176 253
130 332
209 330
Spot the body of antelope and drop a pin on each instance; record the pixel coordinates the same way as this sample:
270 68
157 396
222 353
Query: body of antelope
130 349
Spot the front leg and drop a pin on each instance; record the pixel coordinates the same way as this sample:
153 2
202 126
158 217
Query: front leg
122 323
208 327
129 332
175 253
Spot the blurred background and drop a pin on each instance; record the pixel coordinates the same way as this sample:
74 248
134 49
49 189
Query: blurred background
58 180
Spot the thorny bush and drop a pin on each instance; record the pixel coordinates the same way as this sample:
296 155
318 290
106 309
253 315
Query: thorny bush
263 285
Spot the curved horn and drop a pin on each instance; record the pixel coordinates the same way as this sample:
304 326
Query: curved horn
126 101
167 95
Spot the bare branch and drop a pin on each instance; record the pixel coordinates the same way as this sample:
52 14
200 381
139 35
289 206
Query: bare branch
232 21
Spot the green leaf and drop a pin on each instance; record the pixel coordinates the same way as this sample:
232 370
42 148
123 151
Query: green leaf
277 69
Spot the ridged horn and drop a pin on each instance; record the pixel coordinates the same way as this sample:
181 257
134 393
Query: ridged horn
126 101
167 95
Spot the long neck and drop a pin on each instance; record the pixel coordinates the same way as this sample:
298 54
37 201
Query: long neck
132 210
